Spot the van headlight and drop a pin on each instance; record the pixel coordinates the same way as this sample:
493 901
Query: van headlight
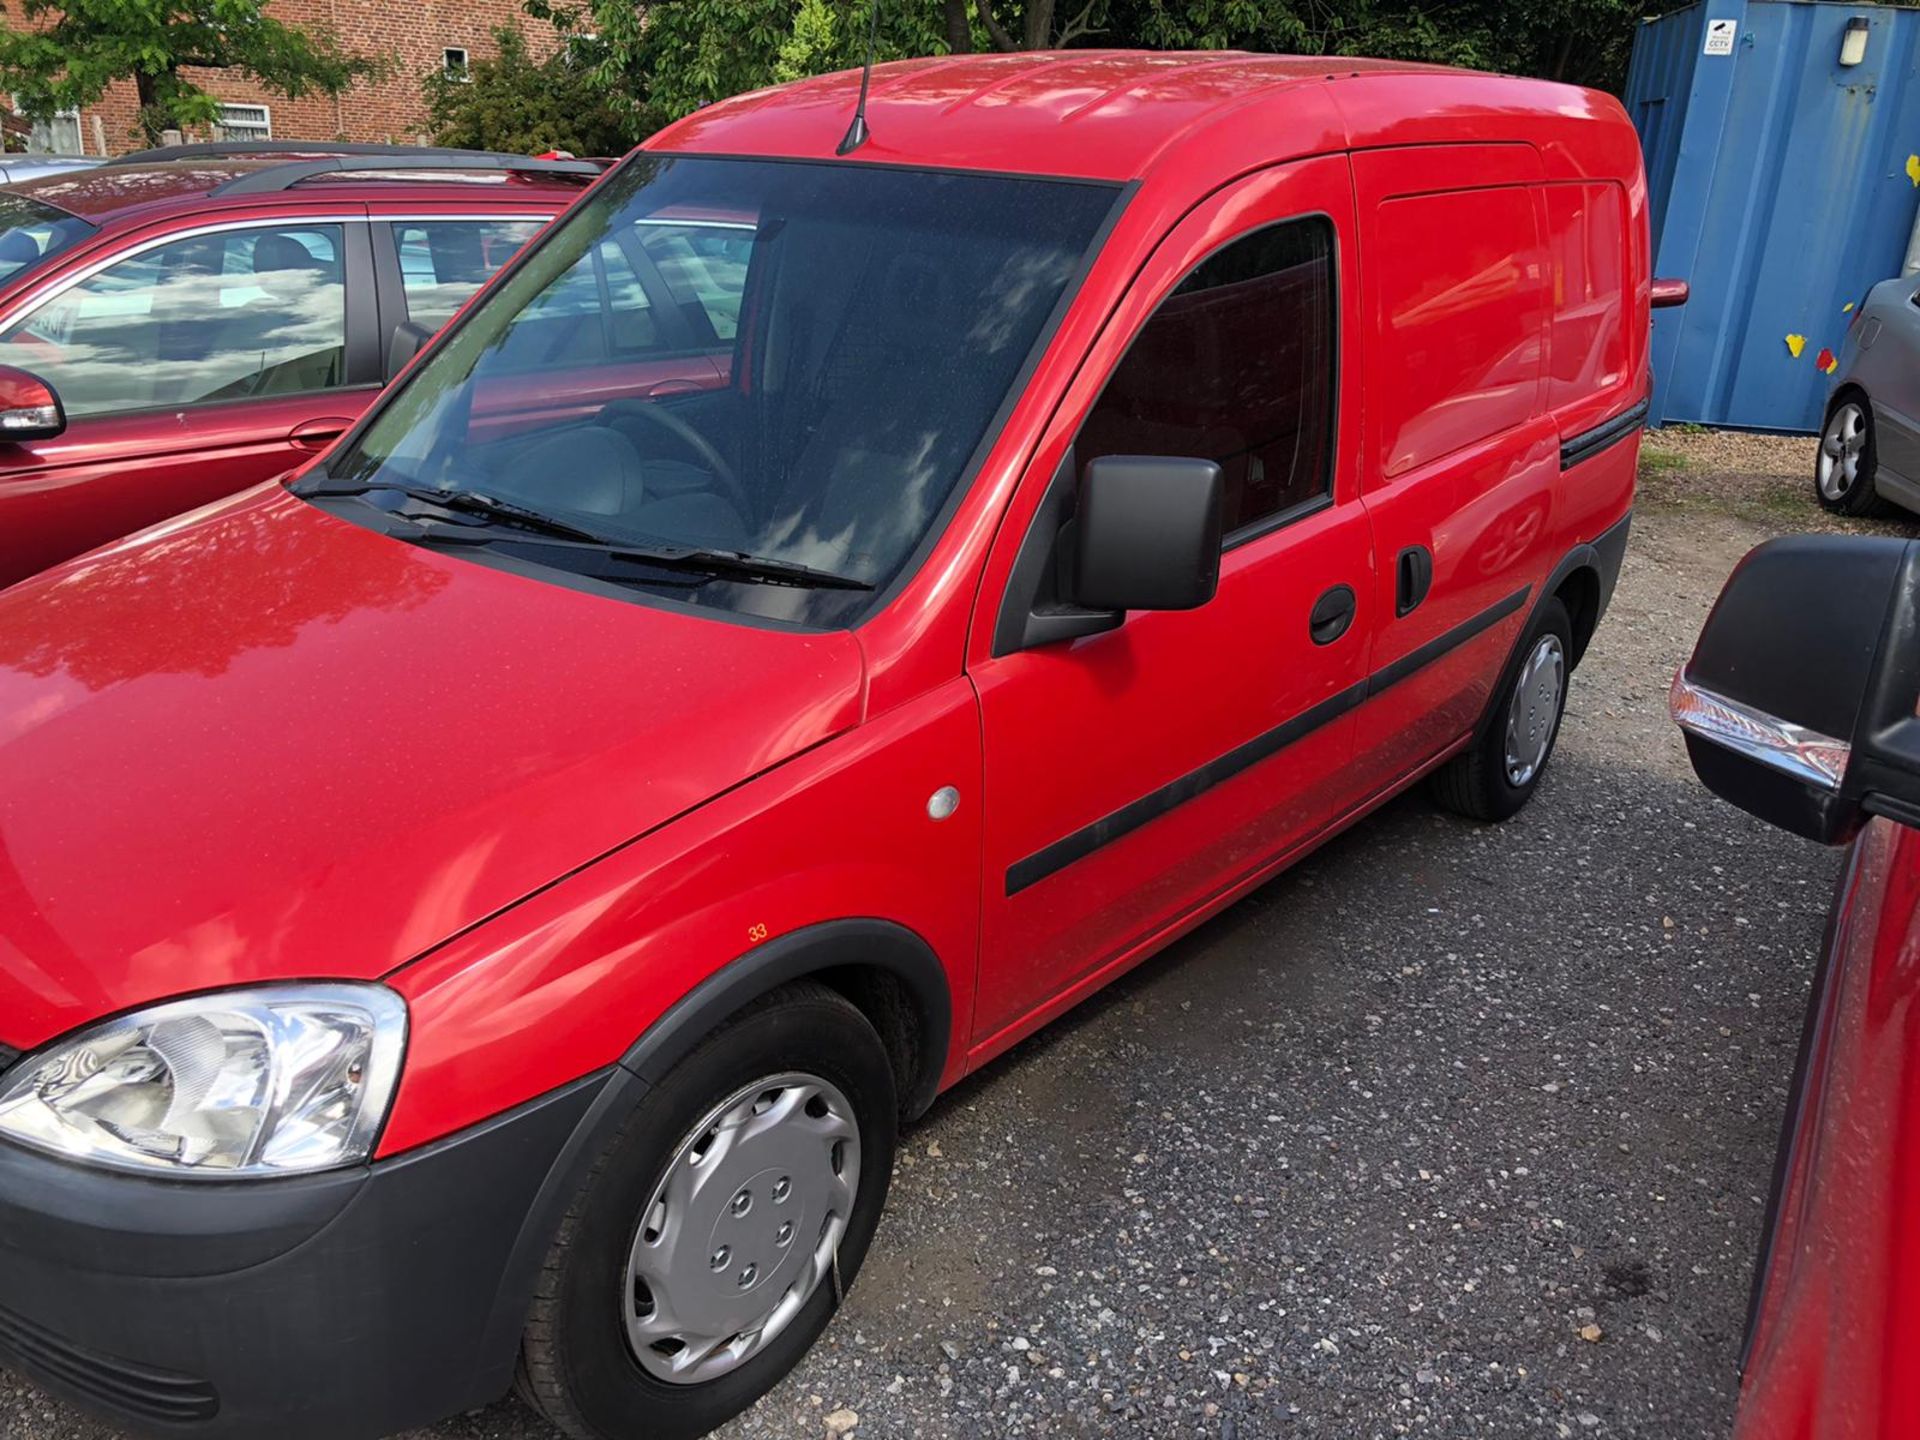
268 1081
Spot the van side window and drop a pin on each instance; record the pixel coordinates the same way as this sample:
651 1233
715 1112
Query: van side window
1236 366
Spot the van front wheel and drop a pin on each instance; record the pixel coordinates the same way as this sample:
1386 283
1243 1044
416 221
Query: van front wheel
709 1245
1497 774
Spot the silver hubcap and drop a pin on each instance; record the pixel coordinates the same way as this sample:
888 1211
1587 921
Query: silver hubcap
1535 710
742 1228
1841 445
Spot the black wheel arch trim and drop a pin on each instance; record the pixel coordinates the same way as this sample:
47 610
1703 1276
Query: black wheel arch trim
1602 556
834 945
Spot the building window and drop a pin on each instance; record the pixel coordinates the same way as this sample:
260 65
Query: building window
454 60
59 136
246 122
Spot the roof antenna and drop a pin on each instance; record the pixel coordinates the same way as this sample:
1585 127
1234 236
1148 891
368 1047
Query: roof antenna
857 132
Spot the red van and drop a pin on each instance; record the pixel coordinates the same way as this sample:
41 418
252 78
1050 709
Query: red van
485 906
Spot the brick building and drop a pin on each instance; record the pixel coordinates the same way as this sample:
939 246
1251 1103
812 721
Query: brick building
420 35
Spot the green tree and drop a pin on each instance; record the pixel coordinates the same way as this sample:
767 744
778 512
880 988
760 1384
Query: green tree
65 56
513 103
673 56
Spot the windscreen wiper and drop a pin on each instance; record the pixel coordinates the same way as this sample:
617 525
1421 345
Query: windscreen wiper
470 502
693 560
736 565
696 559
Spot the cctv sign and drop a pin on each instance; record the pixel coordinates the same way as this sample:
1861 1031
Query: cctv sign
1720 35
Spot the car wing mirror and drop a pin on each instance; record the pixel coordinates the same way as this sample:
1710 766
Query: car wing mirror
1146 533
1798 704
30 408
409 338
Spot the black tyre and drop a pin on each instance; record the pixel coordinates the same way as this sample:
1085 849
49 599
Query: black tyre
1846 462
1498 773
697 1263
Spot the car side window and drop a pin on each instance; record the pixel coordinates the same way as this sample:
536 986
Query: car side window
228 315
597 312
442 262
1236 366
604 310
707 263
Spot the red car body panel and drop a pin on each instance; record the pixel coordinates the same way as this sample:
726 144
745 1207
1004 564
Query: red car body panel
112 474
369 747
1834 1352
388 771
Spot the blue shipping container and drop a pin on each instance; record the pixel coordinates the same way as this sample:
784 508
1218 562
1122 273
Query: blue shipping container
1783 184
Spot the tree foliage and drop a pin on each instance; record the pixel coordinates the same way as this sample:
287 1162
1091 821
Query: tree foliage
66 54
514 103
673 56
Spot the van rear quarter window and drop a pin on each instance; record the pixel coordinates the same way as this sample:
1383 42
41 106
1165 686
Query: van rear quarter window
1587 255
1462 305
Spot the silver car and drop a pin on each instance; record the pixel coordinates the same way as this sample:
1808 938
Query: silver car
1869 454
32 167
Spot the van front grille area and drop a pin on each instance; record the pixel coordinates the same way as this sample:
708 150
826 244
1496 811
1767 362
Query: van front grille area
135 1390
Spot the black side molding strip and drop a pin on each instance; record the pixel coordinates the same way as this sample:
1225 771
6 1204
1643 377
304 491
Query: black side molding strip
1589 443
1155 803
1426 654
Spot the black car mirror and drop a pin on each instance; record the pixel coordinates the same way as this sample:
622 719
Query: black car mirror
1798 703
1146 533
408 340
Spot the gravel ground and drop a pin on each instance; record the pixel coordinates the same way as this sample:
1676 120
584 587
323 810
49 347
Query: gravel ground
1450 1131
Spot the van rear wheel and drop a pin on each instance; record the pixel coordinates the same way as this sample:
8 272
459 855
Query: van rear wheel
708 1247
1499 771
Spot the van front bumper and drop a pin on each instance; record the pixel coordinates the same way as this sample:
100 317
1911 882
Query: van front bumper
353 1303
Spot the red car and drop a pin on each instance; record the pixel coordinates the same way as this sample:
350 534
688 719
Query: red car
486 906
189 322
1799 706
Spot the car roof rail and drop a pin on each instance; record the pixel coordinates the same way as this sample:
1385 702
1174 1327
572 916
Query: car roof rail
292 149
387 166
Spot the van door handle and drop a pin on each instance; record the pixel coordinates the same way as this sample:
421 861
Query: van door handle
1413 578
320 433
1332 614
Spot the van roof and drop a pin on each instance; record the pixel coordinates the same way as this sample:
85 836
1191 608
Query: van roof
1110 114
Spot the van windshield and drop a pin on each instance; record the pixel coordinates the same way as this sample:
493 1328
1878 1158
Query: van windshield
31 232
750 385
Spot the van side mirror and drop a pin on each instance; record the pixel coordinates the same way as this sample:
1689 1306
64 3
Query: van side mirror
1146 533
29 407
409 338
1799 702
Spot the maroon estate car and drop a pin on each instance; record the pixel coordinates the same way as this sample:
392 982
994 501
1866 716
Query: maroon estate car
194 320
1799 706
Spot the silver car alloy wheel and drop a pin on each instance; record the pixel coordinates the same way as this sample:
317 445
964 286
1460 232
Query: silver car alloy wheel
1535 710
1841 446
742 1227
